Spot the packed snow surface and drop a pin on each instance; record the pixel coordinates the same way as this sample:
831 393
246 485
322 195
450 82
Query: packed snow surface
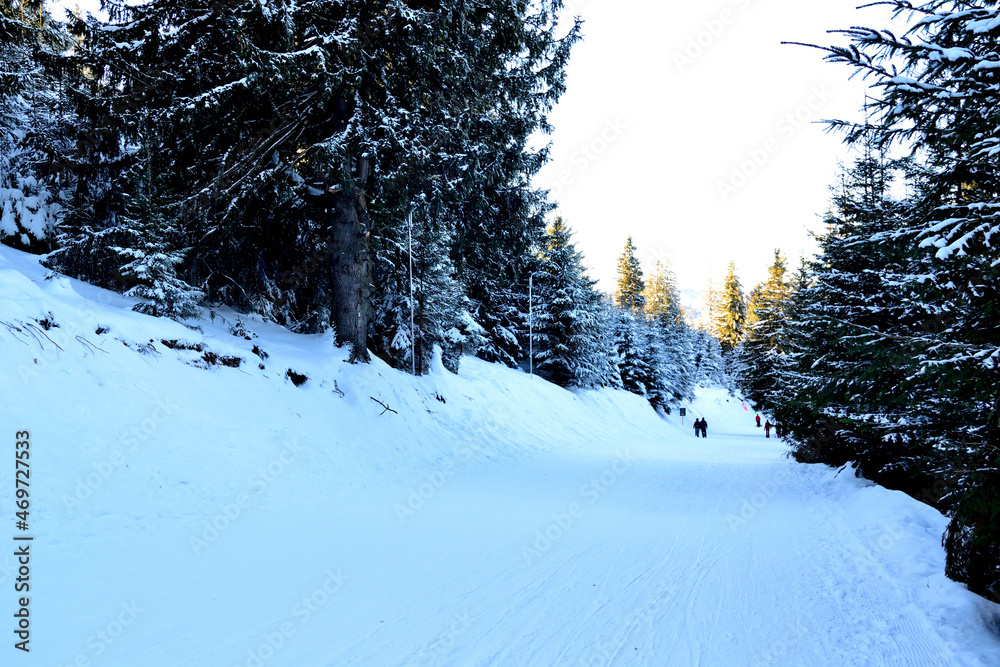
192 513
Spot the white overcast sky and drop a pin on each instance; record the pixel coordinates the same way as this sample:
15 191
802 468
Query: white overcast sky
666 99
666 104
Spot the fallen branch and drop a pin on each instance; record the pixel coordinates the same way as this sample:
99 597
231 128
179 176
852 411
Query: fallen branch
90 345
38 340
387 408
33 327
15 330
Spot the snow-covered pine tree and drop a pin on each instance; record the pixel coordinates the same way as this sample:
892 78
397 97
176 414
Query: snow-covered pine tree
632 343
293 139
505 215
32 149
753 304
441 311
145 73
567 336
606 364
662 388
847 365
730 319
766 317
630 285
665 315
439 300
483 81
783 393
711 305
939 92
708 361
661 297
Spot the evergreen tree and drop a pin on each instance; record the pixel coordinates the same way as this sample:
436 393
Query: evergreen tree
568 350
152 75
662 385
440 303
730 320
754 304
32 142
673 341
490 74
638 373
711 304
661 297
861 339
314 126
607 361
630 287
766 318
945 107
845 367
441 311
709 364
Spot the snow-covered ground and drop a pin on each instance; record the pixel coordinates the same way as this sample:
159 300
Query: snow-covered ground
223 516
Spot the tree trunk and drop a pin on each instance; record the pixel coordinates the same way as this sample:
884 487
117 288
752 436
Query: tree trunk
352 272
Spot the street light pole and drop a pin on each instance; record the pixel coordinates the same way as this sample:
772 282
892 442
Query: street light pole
413 341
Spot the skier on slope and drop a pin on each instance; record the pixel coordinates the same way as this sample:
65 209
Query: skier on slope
704 428
767 429
697 427
758 421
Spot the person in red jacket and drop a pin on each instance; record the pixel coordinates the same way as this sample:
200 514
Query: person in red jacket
758 421
767 429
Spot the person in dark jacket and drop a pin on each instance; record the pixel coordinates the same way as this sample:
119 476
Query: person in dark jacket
704 428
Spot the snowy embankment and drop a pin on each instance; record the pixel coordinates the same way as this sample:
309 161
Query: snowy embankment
186 512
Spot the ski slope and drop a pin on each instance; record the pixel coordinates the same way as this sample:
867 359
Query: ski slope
187 513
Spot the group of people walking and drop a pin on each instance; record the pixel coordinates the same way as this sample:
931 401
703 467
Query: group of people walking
768 426
701 427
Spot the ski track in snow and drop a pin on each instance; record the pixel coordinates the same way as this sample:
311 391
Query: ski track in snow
552 528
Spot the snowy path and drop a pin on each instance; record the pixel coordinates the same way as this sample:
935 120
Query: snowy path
571 558
206 516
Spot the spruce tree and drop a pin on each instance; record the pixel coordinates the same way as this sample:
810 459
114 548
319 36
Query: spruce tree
167 104
33 126
709 367
673 339
568 345
661 296
944 105
630 286
636 367
846 361
730 320
711 304
266 157
766 318
483 81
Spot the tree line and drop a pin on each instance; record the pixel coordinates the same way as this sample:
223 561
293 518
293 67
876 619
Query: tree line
637 338
296 159
329 166
884 350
